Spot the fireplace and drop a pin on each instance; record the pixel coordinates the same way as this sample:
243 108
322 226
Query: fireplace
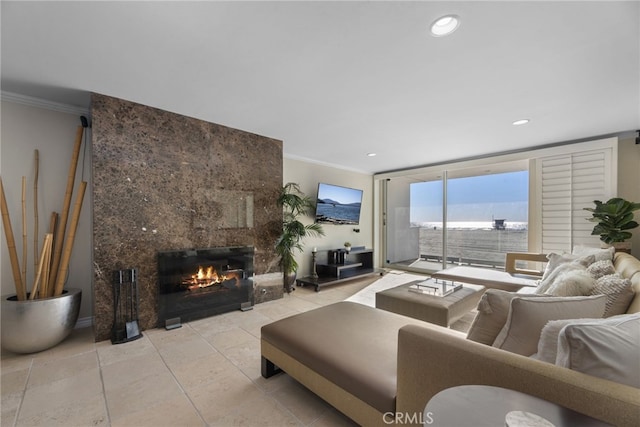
196 283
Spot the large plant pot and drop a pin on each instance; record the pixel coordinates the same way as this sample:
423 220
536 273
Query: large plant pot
36 325
289 281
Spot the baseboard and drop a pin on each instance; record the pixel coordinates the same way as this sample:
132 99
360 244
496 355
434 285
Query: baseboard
84 322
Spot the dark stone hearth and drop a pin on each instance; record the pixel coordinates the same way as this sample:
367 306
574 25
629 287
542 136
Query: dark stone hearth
164 181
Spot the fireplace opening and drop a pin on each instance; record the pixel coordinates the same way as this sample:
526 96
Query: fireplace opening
197 283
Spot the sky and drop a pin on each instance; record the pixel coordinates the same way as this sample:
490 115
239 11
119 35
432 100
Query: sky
339 194
477 198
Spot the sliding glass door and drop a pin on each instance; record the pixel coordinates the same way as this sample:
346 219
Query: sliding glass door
461 217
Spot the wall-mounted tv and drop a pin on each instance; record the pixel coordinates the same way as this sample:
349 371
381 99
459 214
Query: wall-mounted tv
338 205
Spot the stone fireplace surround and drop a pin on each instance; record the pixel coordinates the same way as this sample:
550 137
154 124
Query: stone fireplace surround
162 181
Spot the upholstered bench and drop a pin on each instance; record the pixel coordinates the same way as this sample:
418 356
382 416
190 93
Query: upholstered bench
345 352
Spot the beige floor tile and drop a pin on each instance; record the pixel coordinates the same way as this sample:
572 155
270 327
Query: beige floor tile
219 398
194 373
14 362
161 338
171 413
73 390
254 328
258 411
116 376
9 409
270 385
111 353
276 310
299 304
231 338
13 382
195 348
244 356
212 325
49 370
142 393
305 405
86 412
242 318
334 418
79 341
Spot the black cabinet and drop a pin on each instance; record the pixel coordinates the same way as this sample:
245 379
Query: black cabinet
336 266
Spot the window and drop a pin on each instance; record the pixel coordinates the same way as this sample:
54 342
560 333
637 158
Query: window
473 212
480 215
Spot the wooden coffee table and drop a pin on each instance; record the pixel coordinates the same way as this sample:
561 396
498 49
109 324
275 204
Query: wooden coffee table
442 311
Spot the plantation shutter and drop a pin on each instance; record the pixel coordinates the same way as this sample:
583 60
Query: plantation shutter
568 183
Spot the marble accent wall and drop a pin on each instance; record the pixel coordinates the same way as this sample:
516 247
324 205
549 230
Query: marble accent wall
163 181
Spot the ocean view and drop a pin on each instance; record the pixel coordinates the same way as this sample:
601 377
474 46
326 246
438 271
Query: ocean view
476 243
475 225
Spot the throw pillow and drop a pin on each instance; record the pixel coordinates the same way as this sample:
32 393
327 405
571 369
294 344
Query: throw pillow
527 316
560 264
572 283
604 350
599 253
493 310
601 268
618 291
548 344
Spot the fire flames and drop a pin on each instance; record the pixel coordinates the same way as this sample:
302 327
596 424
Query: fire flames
208 276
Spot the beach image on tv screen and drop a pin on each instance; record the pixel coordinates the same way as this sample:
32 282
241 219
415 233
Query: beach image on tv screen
338 205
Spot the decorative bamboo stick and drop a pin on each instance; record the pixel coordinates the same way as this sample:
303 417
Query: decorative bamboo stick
47 288
24 229
21 293
36 230
46 269
46 248
62 225
68 244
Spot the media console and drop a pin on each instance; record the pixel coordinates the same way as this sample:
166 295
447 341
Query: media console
340 266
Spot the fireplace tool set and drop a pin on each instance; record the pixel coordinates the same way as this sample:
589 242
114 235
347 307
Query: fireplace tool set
125 303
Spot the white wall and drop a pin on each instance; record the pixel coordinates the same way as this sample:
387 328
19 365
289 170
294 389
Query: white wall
24 129
308 175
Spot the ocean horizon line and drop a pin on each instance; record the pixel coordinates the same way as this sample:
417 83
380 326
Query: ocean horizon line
474 225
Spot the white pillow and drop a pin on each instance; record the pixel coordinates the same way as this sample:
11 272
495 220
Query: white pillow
527 316
493 310
572 283
618 291
560 264
548 344
599 253
601 268
607 350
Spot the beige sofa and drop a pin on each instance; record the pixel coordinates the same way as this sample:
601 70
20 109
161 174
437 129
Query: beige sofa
370 364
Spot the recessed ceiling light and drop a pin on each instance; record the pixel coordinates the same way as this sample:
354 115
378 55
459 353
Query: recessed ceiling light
371 154
520 122
445 25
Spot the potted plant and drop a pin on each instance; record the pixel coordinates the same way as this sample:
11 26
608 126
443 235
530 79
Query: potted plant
38 318
294 205
347 246
614 218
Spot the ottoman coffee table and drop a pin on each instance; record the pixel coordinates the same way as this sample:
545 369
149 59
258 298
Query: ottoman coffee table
441 310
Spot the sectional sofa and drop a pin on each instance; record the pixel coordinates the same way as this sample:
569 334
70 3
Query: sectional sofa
371 364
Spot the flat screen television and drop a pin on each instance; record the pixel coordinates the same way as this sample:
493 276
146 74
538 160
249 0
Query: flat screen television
338 205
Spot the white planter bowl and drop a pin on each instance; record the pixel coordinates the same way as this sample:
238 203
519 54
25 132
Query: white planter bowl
36 325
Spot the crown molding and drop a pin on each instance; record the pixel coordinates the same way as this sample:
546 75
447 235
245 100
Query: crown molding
321 163
43 103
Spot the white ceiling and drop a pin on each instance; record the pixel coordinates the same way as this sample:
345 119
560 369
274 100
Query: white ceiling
336 80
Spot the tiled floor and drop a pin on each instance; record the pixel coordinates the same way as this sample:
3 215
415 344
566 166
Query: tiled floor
206 373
